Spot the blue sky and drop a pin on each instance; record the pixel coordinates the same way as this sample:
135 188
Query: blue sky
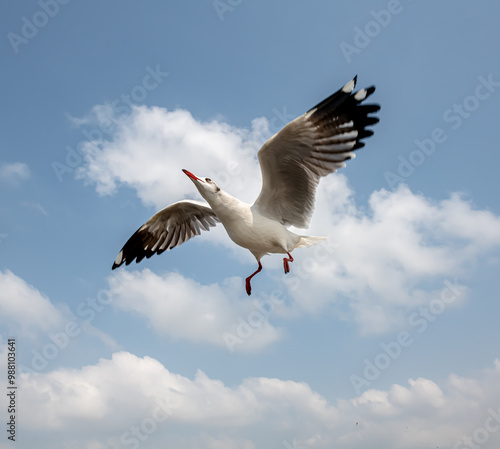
393 324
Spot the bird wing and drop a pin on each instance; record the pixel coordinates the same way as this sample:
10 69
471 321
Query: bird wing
311 146
167 229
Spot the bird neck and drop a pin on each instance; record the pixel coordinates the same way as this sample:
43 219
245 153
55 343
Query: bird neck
225 205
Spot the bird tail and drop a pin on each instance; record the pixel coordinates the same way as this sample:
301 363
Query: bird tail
306 241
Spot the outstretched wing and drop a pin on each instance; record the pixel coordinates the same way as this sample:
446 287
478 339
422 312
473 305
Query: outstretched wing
313 145
167 229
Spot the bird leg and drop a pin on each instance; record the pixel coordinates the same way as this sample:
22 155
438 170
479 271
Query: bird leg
248 286
285 263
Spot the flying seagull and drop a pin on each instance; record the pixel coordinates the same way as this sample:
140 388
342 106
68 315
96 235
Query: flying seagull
292 162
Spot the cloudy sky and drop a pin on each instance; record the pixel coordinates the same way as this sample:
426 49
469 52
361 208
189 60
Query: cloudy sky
385 336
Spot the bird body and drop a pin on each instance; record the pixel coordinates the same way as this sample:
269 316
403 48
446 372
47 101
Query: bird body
248 228
259 234
292 161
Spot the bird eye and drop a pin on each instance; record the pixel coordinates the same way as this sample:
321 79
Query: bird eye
208 180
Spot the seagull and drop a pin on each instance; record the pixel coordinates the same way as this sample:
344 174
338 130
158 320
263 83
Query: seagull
292 162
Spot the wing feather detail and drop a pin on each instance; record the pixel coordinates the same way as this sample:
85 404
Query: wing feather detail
167 229
312 146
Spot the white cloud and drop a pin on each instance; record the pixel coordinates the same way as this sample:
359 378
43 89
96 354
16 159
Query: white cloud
27 312
3 358
25 308
116 396
393 257
14 173
383 260
149 147
205 440
183 308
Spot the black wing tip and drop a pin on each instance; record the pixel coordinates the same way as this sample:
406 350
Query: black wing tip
358 145
340 96
126 261
370 90
139 245
118 265
364 133
370 121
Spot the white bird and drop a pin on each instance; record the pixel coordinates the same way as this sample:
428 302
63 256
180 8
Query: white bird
292 162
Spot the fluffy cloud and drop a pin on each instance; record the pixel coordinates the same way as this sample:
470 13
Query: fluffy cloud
96 393
381 261
27 313
24 308
149 147
128 400
14 173
183 308
396 256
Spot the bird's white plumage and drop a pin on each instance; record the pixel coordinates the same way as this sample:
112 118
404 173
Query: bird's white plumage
349 87
360 95
311 146
292 162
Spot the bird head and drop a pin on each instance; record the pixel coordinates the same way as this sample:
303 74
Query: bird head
207 188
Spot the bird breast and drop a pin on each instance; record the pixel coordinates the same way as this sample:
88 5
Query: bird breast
259 234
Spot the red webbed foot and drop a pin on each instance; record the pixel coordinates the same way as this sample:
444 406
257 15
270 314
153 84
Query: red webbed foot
285 263
248 286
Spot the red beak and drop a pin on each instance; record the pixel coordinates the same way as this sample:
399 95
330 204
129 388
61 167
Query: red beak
191 175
